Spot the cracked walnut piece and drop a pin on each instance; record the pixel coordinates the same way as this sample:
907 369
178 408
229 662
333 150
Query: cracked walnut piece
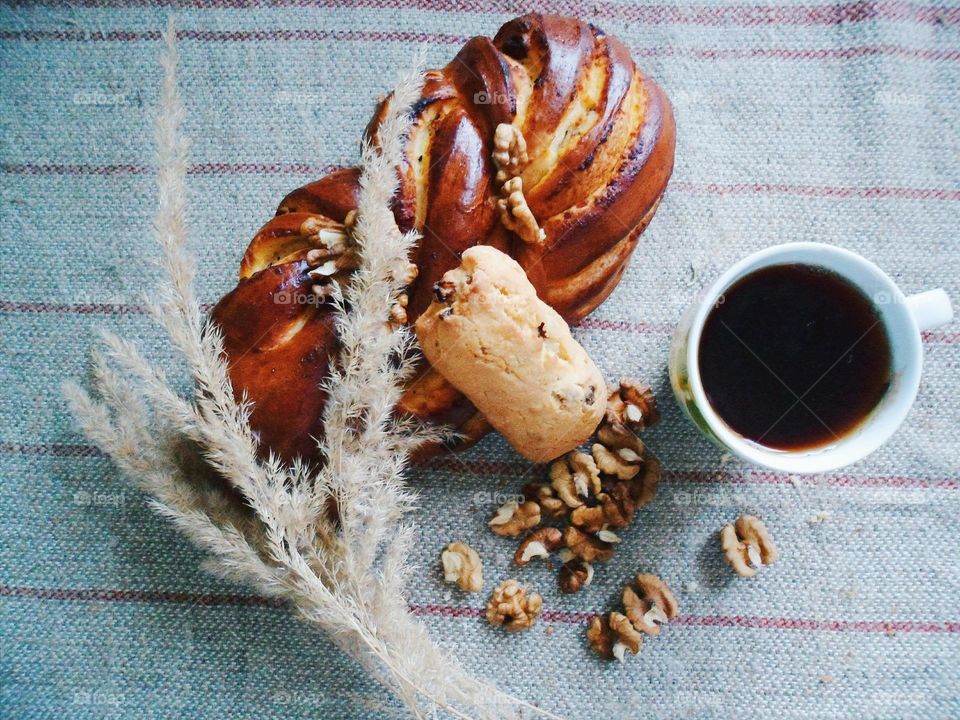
747 545
623 464
538 544
644 488
575 574
575 477
462 565
512 518
513 607
331 257
398 310
648 604
618 437
546 497
601 637
614 510
631 404
516 215
628 638
586 547
509 152
615 506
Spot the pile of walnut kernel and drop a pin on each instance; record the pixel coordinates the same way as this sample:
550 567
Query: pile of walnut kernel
590 495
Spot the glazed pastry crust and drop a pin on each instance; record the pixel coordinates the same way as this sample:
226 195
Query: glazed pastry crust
592 139
513 356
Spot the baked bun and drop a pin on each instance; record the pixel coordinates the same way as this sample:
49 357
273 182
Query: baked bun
599 143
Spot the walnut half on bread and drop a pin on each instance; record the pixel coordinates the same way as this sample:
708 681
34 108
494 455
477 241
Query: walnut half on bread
512 355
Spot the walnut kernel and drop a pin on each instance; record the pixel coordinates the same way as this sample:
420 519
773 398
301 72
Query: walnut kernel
538 544
747 545
586 547
575 574
586 474
627 636
632 404
648 604
618 506
462 565
608 536
619 437
590 519
601 637
575 477
513 607
546 497
512 518
561 480
516 215
644 487
610 462
509 151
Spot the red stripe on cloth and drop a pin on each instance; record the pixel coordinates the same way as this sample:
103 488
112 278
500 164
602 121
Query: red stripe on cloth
523 470
435 38
122 309
472 613
453 463
51 169
216 169
844 481
80 35
941 338
281 35
209 168
41 308
227 36
864 626
628 327
803 54
447 611
10 306
724 15
153 596
752 477
901 193
51 449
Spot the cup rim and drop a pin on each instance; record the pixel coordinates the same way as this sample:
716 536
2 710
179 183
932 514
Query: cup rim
827 457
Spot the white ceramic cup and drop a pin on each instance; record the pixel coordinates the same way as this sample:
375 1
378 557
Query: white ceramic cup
905 318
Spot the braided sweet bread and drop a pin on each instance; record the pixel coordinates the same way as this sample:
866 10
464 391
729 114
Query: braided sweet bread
545 142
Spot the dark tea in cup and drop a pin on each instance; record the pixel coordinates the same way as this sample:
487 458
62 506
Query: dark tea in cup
794 357
802 357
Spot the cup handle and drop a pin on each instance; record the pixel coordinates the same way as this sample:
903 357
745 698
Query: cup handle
930 309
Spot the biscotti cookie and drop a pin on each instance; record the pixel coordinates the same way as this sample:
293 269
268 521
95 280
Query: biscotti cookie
491 337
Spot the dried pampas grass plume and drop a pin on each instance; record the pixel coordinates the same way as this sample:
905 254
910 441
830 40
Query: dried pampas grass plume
263 522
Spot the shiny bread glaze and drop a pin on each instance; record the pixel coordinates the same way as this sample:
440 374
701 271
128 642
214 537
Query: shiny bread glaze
600 137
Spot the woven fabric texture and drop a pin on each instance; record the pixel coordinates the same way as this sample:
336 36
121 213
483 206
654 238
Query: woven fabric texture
797 121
